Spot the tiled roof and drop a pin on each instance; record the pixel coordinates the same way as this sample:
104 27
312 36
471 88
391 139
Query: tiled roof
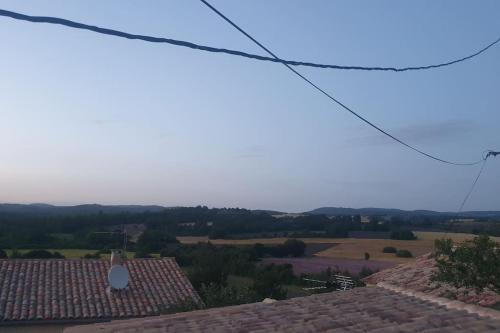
59 289
370 309
416 276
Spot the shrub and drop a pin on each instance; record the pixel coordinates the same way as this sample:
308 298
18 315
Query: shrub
365 271
404 254
294 247
3 254
154 240
142 254
267 284
214 295
474 263
182 253
42 254
389 249
95 255
403 235
16 254
209 266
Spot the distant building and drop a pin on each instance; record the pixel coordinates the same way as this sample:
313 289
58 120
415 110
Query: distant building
365 219
60 291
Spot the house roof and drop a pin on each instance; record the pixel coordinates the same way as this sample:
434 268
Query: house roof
369 309
44 290
416 276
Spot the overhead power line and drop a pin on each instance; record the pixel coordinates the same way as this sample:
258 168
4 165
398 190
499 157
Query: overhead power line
345 107
489 153
473 185
151 39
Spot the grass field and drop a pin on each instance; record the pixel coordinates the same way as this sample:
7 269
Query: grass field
352 248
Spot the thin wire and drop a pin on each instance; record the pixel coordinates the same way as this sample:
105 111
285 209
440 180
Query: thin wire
345 107
111 32
473 186
457 215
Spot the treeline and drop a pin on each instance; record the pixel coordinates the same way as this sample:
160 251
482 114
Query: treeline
93 231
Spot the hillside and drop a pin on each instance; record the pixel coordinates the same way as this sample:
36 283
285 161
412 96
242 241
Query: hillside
88 209
335 211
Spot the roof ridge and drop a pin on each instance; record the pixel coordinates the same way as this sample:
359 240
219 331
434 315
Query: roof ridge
449 304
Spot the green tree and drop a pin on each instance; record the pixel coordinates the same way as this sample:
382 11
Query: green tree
209 267
472 264
215 295
155 240
268 283
294 247
403 235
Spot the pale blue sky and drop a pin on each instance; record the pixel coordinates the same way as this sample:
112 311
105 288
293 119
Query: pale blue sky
90 118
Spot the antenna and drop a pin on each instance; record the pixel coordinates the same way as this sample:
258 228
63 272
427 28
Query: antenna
339 282
118 277
122 232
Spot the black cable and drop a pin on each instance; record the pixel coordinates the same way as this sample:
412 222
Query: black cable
490 153
333 98
473 186
111 32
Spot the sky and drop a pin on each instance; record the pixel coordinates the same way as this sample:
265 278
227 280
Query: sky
88 118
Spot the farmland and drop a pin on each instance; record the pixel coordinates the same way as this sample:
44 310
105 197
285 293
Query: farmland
320 264
352 248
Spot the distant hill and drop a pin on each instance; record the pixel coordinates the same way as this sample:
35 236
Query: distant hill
332 211
39 209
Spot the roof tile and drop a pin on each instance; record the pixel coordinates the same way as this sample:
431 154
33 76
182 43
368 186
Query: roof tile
60 289
371 309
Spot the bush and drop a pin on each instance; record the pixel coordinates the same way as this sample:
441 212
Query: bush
155 240
403 235
214 295
16 254
404 254
474 263
294 247
142 254
290 248
182 253
95 255
42 254
3 254
267 284
209 267
365 271
389 249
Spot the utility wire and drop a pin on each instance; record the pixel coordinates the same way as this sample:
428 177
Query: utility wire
345 107
473 186
151 39
490 153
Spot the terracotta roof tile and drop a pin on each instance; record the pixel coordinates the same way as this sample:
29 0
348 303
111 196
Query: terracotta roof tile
416 276
371 309
59 289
